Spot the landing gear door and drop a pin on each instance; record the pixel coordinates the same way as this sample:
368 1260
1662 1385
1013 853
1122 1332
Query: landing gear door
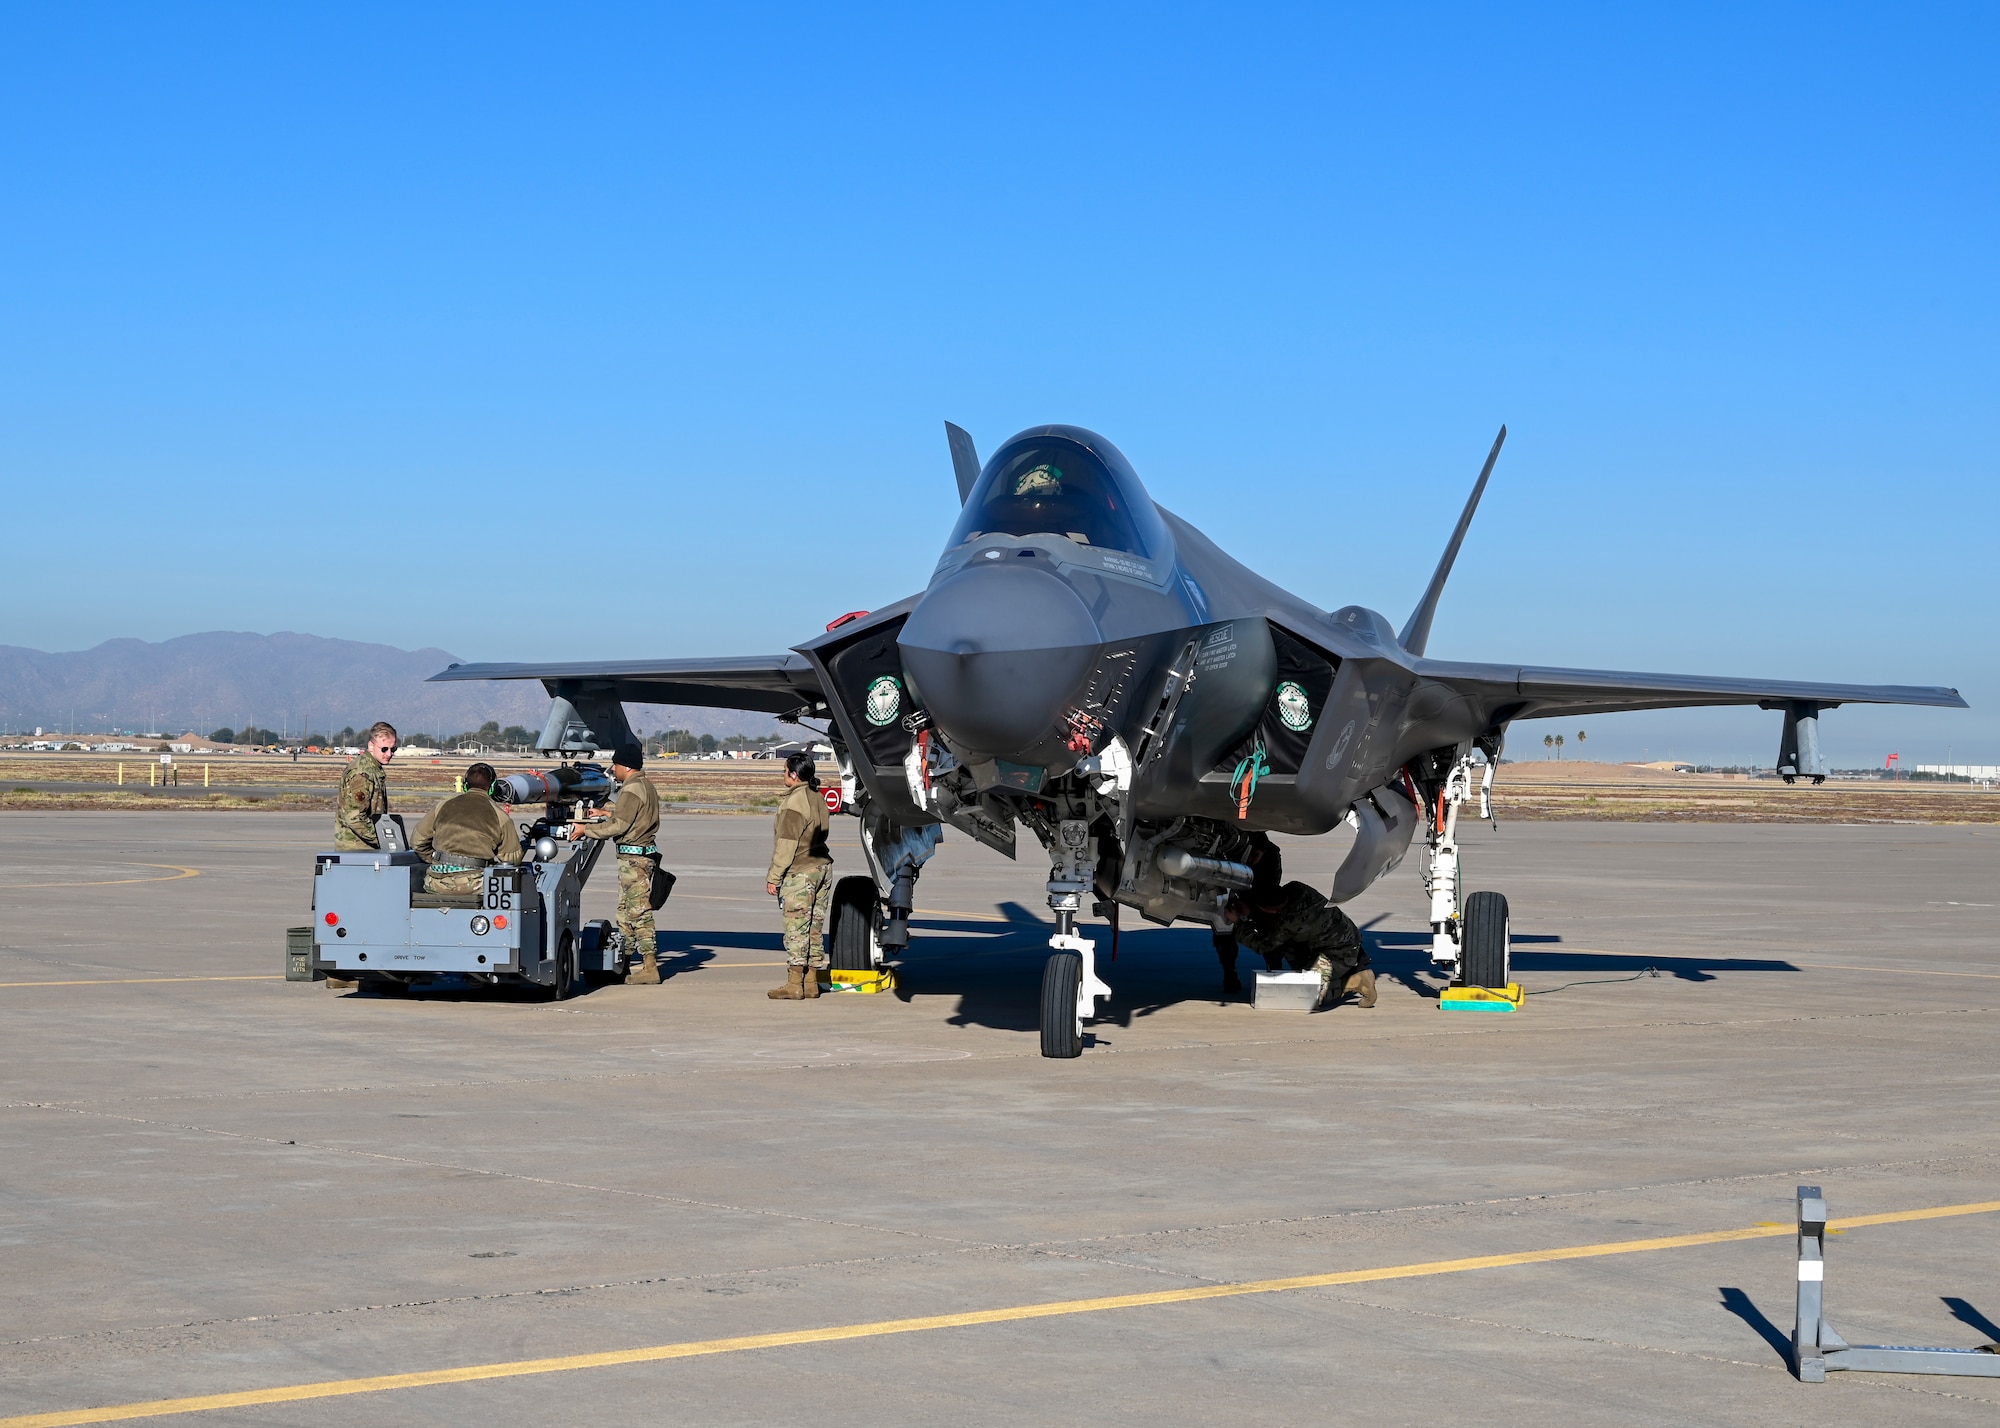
876 709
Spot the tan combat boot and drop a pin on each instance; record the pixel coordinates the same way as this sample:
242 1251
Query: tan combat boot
793 990
809 986
1362 984
648 974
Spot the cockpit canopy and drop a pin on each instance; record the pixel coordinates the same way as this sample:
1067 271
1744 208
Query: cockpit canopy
1065 481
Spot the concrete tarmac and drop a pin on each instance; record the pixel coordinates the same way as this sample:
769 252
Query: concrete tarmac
214 1181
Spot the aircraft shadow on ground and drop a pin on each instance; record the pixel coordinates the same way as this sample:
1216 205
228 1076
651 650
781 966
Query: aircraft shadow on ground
994 967
1528 956
683 950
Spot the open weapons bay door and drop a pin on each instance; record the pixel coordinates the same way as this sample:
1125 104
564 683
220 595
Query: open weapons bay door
1262 772
877 713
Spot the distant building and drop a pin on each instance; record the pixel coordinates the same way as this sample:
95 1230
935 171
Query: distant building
800 746
1978 771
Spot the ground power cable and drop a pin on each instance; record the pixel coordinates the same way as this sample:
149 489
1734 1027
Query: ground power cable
1646 971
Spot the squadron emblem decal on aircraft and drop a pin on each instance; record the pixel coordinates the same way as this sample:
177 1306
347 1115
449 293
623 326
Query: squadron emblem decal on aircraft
885 697
1294 708
1088 666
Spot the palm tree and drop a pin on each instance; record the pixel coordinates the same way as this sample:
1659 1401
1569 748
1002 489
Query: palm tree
1559 746
1548 742
1579 736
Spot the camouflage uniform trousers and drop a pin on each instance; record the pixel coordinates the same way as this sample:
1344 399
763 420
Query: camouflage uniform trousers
635 903
471 881
805 895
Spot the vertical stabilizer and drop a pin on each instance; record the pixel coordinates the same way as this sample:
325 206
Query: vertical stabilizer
964 459
1417 631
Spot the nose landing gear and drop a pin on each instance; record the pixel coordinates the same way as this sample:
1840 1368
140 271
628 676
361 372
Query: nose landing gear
1070 984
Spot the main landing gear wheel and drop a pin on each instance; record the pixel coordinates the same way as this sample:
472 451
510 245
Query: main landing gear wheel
1062 1024
1483 956
851 926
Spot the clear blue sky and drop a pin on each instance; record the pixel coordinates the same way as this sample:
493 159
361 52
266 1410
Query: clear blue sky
536 333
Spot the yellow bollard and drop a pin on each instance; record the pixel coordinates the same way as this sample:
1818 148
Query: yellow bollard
151 770
121 775
204 775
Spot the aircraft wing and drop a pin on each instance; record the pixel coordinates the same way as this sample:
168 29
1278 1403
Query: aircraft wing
1542 692
773 684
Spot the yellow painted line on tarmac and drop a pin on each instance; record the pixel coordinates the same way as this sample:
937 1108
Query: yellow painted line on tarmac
123 981
971 916
918 911
839 1333
174 874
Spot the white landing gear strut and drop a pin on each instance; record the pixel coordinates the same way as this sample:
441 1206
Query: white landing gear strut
1443 876
1070 984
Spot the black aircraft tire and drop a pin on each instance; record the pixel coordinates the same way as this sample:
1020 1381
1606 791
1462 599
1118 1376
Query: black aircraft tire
565 986
1483 946
1062 1029
850 926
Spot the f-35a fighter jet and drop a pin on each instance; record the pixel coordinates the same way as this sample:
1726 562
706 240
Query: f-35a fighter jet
1089 667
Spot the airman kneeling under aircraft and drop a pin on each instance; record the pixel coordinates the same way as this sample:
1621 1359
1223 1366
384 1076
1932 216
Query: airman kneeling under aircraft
1296 926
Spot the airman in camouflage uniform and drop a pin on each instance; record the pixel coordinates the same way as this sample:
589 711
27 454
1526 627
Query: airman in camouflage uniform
1306 932
364 792
801 878
465 835
634 822
1267 870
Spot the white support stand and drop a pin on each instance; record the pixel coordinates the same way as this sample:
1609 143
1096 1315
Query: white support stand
1091 987
1443 875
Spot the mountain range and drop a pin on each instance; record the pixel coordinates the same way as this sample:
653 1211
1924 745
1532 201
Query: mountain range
282 681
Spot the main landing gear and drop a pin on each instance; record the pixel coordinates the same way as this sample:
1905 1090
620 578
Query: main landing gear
1470 945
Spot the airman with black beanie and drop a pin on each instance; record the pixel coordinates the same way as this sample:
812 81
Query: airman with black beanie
634 822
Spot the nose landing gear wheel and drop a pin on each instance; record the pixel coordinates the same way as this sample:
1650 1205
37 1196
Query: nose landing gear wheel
1062 1023
1484 952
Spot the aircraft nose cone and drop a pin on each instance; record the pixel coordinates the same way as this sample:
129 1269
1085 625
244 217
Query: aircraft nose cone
999 650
